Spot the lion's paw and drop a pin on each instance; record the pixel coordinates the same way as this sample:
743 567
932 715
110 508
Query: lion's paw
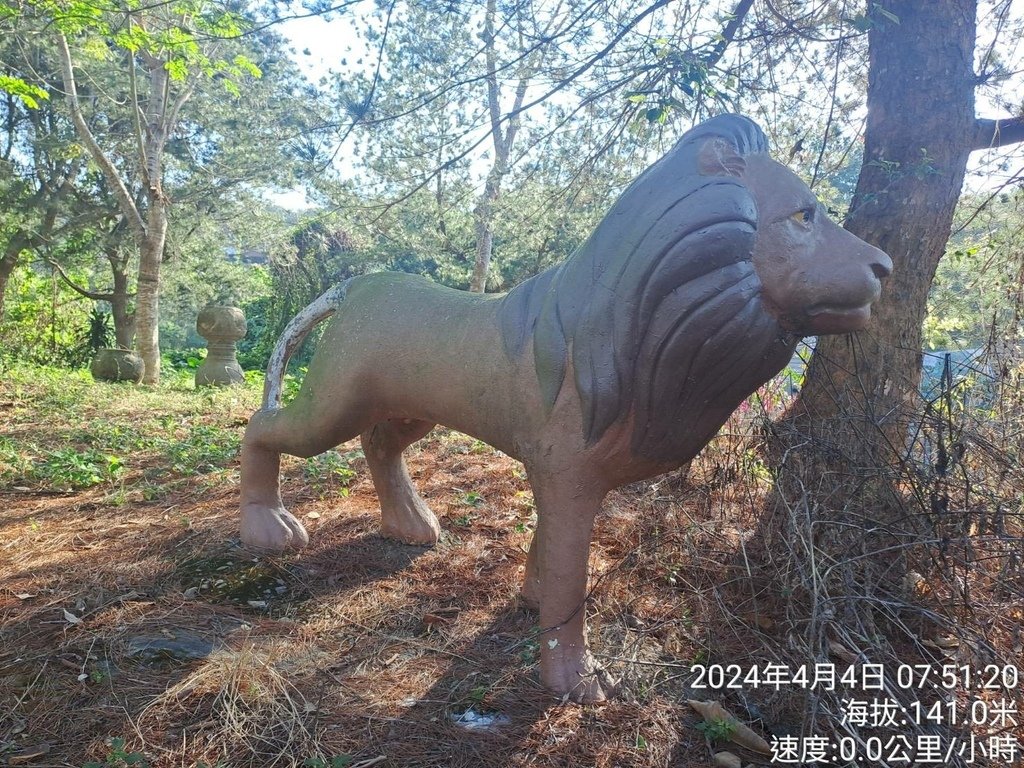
410 521
271 529
420 532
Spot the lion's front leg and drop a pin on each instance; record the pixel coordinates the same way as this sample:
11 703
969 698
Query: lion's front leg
565 520
529 596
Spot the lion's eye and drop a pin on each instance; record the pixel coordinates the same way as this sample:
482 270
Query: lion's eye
804 216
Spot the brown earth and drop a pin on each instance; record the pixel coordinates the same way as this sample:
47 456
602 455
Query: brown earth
357 649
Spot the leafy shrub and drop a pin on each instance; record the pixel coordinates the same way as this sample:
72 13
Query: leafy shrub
60 469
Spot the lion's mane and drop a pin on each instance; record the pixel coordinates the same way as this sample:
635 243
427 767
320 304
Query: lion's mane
660 310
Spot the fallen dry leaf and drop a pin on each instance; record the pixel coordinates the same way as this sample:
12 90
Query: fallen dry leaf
914 583
841 652
947 643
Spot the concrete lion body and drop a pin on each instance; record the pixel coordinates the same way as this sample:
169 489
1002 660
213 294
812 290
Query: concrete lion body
616 365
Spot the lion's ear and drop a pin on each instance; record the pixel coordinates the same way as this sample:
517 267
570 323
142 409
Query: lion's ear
718 157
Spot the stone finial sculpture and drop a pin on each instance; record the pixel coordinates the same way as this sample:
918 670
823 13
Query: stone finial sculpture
221 326
614 366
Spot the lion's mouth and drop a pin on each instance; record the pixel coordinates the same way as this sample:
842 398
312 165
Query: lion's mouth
840 310
834 318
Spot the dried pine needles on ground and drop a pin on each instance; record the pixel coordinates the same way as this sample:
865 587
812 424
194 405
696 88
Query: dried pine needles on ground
132 627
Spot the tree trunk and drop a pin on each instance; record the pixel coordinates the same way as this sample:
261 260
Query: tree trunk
124 319
149 234
6 268
502 141
484 225
147 301
858 390
9 260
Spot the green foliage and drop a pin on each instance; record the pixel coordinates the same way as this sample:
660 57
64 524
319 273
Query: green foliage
176 33
331 469
184 359
71 469
205 448
472 499
58 469
683 87
43 321
219 156
976 295
717 730
203 274
14 462
293 383
117 757
530 651
97 438
100 333
319 254
30 95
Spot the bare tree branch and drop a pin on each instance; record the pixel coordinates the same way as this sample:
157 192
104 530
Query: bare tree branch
113 178
993 134
74 286
728 33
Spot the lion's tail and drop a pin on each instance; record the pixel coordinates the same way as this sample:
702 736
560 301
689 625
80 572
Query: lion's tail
321 307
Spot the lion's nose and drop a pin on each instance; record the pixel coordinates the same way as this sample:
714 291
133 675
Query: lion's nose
882 265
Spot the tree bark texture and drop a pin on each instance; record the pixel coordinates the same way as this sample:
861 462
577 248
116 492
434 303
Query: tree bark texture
6 268
124 318
9 260
147 297
920 128
484 225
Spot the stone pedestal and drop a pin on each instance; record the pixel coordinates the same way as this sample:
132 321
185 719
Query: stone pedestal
112 364
221 327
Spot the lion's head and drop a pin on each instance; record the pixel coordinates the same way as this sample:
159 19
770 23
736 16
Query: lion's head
692 291
817 277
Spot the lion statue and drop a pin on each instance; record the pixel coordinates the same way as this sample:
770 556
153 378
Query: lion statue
614 366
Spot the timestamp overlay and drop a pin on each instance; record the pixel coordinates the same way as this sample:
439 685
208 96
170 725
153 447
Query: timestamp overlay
906 714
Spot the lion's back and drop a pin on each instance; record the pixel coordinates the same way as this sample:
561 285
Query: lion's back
400 325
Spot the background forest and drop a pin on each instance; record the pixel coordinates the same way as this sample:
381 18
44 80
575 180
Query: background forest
158 157
476 144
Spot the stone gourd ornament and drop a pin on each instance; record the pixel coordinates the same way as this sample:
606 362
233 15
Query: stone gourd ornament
614 366
115 364
221 326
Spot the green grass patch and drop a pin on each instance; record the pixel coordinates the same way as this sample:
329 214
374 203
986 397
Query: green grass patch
64 432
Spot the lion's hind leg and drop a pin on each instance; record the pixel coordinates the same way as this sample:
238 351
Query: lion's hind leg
300 431
405 516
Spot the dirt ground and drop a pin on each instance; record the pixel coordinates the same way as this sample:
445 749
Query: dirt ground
132 626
